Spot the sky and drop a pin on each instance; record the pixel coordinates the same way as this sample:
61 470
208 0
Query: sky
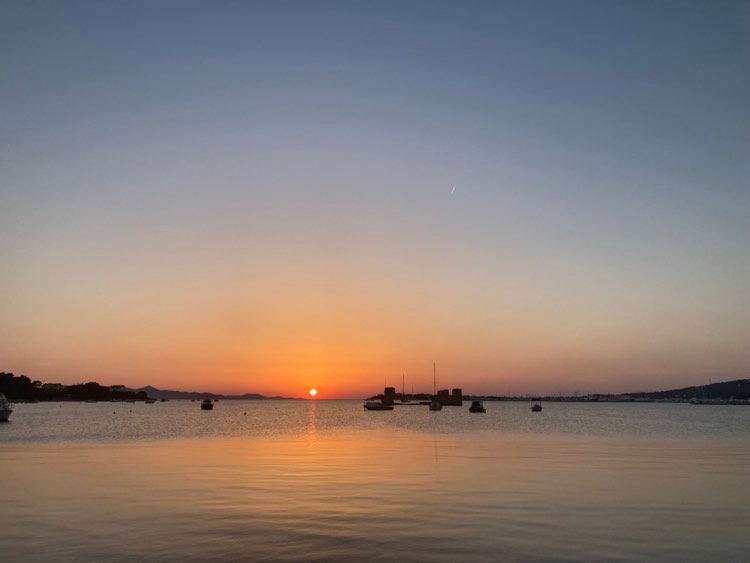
268 197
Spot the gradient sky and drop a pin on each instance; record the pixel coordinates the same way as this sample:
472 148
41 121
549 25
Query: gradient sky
256 196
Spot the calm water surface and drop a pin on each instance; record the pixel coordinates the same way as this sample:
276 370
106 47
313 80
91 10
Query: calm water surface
328 481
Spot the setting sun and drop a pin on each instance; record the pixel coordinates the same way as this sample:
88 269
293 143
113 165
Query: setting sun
313 392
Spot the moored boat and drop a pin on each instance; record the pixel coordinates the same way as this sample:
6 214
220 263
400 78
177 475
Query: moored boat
537 406
207 405
477 406
435 405
6 409
377 406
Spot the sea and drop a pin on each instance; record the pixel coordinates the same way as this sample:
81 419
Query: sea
326 480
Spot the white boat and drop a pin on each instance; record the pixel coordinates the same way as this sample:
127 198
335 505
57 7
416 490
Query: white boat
377 406
476 406
6 409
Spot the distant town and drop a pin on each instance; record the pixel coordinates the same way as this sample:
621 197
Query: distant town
21 388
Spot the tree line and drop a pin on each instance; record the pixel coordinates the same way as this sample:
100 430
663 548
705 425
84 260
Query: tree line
22 388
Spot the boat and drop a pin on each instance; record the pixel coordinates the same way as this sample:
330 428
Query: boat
537 406
702 400
377 406
150 401
476 406
6 409
435 405
207 405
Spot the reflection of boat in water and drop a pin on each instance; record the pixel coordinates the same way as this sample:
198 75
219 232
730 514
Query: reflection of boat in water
207 405
376 406
6 409
537 406
476 406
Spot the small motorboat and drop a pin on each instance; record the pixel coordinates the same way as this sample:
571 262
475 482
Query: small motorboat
150 401
537 406
436 405
377 406
476 406
207 405
6 409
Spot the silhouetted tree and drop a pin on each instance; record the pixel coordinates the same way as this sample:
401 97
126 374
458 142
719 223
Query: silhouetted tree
17 387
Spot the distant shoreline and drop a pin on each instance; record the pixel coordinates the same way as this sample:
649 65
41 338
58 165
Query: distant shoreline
21 388
736 392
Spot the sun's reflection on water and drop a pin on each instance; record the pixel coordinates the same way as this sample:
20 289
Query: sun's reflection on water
312 422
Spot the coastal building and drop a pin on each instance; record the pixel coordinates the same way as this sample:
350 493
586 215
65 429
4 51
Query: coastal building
453 399
389 395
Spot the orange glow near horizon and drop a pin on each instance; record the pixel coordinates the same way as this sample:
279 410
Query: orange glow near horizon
350 336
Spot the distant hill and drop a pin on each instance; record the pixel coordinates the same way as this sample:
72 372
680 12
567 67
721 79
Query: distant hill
738 389
155 393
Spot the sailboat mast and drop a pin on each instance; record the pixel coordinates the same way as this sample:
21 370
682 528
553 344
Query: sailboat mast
434 381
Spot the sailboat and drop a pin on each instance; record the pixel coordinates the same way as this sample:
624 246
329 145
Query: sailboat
435 405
